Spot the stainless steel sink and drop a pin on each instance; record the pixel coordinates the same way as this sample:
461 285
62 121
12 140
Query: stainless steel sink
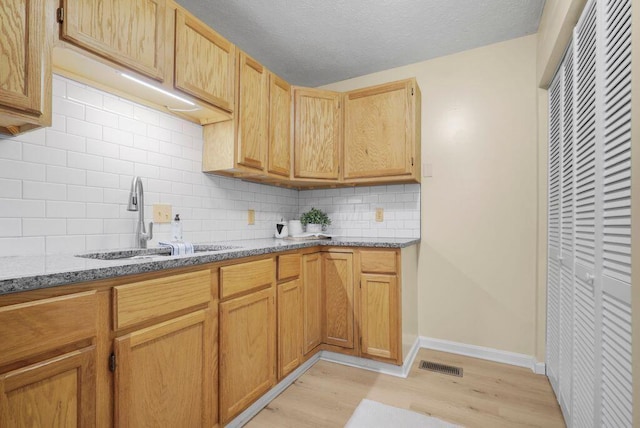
151 253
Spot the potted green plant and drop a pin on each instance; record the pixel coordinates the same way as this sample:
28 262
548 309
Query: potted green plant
315 220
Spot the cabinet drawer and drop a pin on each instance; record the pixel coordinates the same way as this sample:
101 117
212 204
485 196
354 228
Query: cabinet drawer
378 261
144 300
288 266
244 277
34 327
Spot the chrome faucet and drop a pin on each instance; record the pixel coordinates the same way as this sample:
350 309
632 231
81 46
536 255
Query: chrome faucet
136 203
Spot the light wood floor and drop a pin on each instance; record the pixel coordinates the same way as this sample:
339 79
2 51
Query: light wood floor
488 395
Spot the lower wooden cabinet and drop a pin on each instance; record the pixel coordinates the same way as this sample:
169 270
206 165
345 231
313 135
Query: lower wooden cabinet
247 350
379 317
338 313
290 322
312 293
48 362
59 391
164 374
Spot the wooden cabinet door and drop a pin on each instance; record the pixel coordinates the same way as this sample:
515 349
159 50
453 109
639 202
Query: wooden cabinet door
128 32
337 282
165 374
312 293
279 155
379 317
317 132
22 49
379 131
204 62
251 138
59 392
247 350
290 322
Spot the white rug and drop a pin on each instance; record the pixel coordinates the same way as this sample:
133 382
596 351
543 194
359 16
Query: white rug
371 414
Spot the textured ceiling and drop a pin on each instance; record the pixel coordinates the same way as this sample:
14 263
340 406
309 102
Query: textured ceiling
315 42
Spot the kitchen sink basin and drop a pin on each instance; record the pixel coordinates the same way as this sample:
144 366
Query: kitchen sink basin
151 253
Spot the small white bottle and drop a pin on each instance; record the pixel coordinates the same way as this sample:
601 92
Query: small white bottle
176 229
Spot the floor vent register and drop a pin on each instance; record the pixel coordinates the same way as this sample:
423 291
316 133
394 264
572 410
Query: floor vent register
441 368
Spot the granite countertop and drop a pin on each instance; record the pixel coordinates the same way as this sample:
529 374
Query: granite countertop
23 273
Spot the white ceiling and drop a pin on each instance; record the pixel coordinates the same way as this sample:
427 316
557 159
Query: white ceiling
314 42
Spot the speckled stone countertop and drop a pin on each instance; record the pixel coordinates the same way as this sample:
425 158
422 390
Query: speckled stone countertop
23 273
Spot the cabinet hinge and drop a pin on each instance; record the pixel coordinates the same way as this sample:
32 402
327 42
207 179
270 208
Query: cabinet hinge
112 362
60 14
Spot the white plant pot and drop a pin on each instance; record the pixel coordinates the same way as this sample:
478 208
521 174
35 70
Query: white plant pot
314 228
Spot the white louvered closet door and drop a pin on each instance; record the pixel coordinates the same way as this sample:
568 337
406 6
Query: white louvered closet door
566 236
589 267
616 215
553 261
584 340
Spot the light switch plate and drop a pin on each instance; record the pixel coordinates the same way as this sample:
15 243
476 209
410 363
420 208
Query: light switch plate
251 217
427 170
161 213
379 215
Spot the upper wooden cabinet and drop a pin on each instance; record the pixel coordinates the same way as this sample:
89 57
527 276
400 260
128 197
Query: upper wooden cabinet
204 62
129 32
279 148
382 132
317 134
25 73
252 113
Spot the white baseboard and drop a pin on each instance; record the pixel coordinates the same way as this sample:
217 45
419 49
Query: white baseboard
375 366
263 401
491 354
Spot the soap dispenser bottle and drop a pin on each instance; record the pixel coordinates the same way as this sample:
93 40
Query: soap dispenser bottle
176 229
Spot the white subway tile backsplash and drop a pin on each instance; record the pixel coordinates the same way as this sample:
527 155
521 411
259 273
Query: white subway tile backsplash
10 188
66 244
43 191
47 155
83 128
67 108
10 227
65 209
117 105
58 174
64 141
85 161
101 117
33 246
85 194
68 185
21 208
44 226
21 170
10 149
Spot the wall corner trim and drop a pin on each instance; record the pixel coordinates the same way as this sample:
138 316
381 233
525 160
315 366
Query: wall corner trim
490 354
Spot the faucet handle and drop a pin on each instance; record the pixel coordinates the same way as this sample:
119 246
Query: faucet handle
150 236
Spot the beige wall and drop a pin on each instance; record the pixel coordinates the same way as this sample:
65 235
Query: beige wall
477 263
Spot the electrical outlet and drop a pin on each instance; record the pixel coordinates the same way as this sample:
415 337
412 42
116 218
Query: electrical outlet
161 213
379 214
251 217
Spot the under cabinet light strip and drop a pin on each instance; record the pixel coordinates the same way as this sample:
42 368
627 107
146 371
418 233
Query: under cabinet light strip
155 88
